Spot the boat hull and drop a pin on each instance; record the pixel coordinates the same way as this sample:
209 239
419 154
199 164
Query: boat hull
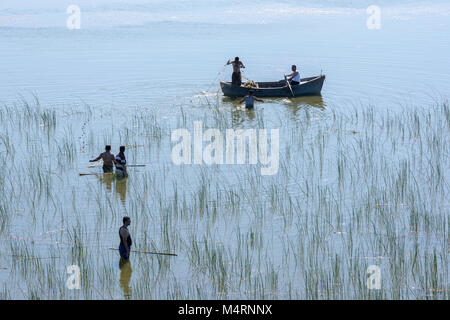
278 89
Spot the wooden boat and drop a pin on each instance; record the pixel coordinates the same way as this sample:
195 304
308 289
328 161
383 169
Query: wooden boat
307 87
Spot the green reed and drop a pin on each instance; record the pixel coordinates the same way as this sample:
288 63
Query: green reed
356 187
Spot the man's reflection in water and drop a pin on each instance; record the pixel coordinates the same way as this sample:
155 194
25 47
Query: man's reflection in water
107 179
120 184
125 276
121 188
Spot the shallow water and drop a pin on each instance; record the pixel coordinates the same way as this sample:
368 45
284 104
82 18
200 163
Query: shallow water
137 70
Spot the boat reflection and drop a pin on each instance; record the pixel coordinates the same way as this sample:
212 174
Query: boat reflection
296 104
241 115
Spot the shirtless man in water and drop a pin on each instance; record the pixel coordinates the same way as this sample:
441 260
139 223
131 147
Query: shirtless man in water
125 239
108 159
236 78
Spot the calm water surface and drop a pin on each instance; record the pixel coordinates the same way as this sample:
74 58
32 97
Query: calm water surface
143 57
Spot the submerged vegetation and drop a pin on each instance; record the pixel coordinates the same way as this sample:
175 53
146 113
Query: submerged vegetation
360 187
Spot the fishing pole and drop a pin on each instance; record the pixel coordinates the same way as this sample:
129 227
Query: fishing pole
148 252
128 165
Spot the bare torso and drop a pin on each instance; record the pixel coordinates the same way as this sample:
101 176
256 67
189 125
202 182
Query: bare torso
107 158
124 233
237 66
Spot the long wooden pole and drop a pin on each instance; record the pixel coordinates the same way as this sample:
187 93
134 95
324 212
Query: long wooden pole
148 252
289 85
128 165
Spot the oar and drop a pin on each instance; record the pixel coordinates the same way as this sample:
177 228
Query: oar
148 252
289 85
88 174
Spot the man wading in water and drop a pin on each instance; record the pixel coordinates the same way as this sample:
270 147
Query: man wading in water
236 78
121 163
108 159
125 239
250 100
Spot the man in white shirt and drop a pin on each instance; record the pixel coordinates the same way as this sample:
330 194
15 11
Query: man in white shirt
294 77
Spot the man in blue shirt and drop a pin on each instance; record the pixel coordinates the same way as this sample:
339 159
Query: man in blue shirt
250 99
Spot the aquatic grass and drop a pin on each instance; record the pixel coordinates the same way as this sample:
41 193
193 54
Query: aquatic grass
356 187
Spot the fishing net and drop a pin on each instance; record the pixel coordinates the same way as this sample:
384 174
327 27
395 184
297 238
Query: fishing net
250 84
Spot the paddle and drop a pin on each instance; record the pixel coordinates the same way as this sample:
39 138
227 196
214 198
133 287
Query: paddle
289 85
147 252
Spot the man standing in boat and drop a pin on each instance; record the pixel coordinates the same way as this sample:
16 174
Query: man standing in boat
236 78
294 77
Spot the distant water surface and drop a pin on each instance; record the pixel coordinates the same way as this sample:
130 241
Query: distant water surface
163 52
